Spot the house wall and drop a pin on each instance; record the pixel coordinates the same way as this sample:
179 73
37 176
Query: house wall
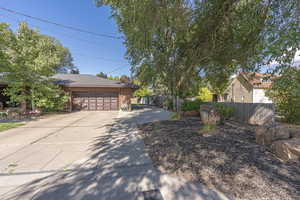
125 96
239 91
259 96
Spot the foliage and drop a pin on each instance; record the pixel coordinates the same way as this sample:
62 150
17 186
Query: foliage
204 95
114 78
175 116
169 43
285 93
3 114
207 128
10 125
31 58
50 98
226 112
102 75
142 92
191 105
125 79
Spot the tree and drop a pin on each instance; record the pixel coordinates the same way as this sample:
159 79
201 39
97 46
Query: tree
205 95
32 58
102 75
177 39
125 79
285 93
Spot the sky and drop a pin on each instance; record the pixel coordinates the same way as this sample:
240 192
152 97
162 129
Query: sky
92 54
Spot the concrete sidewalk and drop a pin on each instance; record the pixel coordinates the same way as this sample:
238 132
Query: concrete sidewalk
116 168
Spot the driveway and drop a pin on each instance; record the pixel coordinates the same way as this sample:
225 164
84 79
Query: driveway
47 145
88 156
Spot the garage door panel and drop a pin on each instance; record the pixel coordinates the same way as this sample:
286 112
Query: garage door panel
95 101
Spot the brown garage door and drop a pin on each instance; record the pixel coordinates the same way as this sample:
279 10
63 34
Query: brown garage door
95 101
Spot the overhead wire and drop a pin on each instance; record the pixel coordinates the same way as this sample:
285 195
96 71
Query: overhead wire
59 24
71 37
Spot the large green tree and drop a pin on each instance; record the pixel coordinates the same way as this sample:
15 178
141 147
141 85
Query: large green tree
285 92
177 39
31 58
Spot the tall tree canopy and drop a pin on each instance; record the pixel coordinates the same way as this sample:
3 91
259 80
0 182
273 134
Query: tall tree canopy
28 59
177 39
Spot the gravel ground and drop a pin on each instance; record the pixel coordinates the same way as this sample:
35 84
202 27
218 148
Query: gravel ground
227 158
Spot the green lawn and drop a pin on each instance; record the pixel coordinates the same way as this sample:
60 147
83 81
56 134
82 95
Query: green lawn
9 125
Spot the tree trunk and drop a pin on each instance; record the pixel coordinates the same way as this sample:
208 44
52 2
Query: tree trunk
23 106
23 103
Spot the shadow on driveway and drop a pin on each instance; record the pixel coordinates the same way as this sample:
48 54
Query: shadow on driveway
117 169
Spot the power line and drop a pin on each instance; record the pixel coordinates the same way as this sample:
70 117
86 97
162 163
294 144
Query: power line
58 24
117 69
71 37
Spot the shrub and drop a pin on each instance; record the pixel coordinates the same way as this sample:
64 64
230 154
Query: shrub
191 105
3 115
285 93
50 98
205 95
175 116
168 103
225 111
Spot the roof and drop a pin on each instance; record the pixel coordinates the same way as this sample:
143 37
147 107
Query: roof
87 80
258 80
83 80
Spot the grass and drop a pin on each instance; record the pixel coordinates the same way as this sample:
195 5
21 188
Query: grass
208 128
9 125
175 116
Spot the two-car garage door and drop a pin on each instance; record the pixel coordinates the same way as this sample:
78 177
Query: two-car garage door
95 101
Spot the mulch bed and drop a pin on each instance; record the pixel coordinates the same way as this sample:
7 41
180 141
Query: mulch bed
227 159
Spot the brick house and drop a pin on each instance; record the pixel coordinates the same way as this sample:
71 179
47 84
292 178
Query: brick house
248 88
89 92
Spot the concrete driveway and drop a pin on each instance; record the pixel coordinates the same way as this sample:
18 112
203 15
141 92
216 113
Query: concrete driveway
88 156
49 144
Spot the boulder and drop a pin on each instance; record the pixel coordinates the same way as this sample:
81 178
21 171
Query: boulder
265 135
209 115
295 132
193 113
287 149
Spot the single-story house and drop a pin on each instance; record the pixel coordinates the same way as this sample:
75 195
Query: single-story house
89 92
248 88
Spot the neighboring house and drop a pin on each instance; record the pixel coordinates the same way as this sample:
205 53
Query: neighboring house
89 92
248 88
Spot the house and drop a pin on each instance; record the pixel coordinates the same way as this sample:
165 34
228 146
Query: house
248 88
89 92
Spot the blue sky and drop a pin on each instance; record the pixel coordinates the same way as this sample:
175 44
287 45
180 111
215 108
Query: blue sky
92 54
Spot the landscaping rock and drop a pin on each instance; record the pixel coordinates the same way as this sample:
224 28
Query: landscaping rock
193 113
209 115
228 160
266 135
295 132
287 149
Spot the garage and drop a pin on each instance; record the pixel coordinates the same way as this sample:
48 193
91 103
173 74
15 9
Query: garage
95 101
90 92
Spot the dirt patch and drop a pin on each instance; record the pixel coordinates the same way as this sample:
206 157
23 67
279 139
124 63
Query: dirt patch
226 158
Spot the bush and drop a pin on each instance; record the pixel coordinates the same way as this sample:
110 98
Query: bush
191 105
50 98
285 93
225 111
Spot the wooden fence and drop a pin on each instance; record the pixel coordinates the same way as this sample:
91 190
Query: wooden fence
253 113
